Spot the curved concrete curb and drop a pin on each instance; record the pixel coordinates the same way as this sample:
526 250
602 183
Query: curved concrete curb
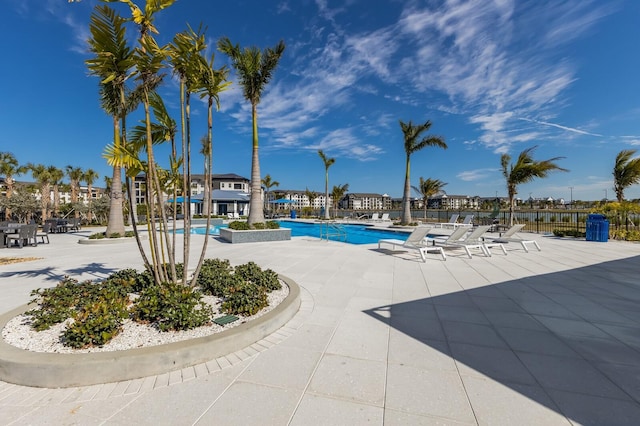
50 370
104 241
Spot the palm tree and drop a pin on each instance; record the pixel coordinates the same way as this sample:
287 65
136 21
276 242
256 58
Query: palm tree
56 179
9 168
268 184
311 196
626 172
184 56
328 162
144 20
411 144
41 174
525 170
427 188
89 177
113 64
75 175
255 69
337 193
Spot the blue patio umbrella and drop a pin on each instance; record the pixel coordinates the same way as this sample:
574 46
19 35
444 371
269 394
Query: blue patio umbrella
282 201
181 200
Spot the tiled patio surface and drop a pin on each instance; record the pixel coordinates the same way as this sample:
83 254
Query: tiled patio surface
541 338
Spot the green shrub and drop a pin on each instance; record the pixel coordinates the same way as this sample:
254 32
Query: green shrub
131 280
215 276
239 225
568 233
244 298
115 235
97 322
55 305
129 234
97 236
273 224
259 225
172 306
253 273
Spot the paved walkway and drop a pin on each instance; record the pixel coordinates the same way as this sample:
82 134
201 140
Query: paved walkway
542 338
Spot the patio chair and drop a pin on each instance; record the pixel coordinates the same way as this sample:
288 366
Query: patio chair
415 241
385 218
510 236
468 221
452 221
26 235
471 241
46 228
375 217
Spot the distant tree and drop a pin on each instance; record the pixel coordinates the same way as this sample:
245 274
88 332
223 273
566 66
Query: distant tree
113 64
311 196
427 188
9 168
626 172
412 144
75 175
268 183
255 69
337 193
525 170
89 177
41 174
328 162
56 180
23 204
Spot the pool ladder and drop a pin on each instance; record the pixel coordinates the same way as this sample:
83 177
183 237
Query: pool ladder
332 229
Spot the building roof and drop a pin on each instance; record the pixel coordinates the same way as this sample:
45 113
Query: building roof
364 194
220 195
231 176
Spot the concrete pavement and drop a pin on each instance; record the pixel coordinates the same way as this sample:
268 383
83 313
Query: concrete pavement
550 337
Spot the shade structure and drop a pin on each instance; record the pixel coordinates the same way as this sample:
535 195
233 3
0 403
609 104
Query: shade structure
282 201
181 200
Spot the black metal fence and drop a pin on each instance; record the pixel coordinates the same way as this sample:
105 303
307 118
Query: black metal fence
538 221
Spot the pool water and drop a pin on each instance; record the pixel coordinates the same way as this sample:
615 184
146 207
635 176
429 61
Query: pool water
200 230
355 234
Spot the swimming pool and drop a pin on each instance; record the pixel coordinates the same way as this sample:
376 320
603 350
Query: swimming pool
354 233
200 230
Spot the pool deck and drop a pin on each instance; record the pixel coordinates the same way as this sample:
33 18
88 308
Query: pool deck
541 338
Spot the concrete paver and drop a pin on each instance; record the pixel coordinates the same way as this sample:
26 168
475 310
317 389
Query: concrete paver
547 337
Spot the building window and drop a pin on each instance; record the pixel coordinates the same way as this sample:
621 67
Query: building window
237 186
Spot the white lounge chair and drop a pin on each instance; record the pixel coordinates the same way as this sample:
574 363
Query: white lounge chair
375 217
471 241
385 217
468 221
510 236
415 241
453 220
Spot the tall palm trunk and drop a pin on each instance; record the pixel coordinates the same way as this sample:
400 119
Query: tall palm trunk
115 223
406 196
187 187
208 153
256 214
326 194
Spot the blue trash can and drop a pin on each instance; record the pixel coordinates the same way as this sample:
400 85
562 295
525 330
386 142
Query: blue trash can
597 228
293 214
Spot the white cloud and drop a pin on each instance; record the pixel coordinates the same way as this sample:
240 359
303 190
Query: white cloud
481 59
478 174
569 129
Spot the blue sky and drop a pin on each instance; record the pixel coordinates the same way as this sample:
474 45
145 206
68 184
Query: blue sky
493 76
